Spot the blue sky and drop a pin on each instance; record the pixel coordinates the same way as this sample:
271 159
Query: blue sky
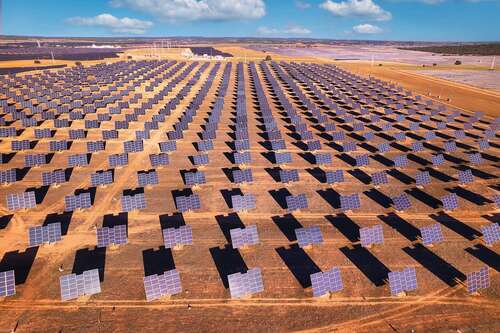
429 20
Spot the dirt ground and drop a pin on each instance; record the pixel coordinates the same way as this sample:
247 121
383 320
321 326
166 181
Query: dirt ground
439 305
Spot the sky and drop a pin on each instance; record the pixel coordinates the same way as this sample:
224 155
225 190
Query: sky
406 20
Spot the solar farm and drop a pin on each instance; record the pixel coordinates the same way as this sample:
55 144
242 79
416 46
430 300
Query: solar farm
242 196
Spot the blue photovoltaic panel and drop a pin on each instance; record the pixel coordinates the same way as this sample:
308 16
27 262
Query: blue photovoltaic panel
118 160
371 236
158 285
79 201
349 146
384 147
201 159
308 236
465 177
313 145
288 176
296 202
241 237
101 178
147 178
24 200
379 178
362 160
431 234
401 161
243 202
168 146
49 233
401 202
116 235
350 202
74 286
491 234
333 177
242 158
417 146
159 160
403 281
77 160
241 145
438 160
283 158
133 202
242 176
326 282
475 158
173 237
450 146
450 202
194 178
422 178
478 280
188 203
8 176
7 283
323 158
95 146
243 284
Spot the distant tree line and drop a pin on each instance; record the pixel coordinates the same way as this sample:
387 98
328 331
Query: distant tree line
487 49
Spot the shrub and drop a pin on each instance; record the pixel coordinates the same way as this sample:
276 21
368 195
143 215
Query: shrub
458 62
268 58
37 62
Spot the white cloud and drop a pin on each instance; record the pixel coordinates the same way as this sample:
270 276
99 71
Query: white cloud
367 29
357 8
117 25
294 30
302 4
196 10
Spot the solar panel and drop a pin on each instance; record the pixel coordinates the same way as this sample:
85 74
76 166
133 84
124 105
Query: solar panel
77 160
384 147
308 236
160 285
159 160
422 178
58 145
7 283
194 178
118 160
450 202
242 176
241 145
101 178
491 233
323 158
350 202
296 202
188 203
283 158
243 284
107 236
431 234
438 160
371 236
74 286
450 146
484 145
478 280
8 176
349 146
400 136
133 202
109 134
201 159
333 177
147 178
313 145
401 161
496 200
243 202
242 237
288 176
174 237
24 200
326 282
95 146
465 177
379 178
205 145
79 201
403 281
133 146
39 235
242 158
417 146
362 160
401 202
